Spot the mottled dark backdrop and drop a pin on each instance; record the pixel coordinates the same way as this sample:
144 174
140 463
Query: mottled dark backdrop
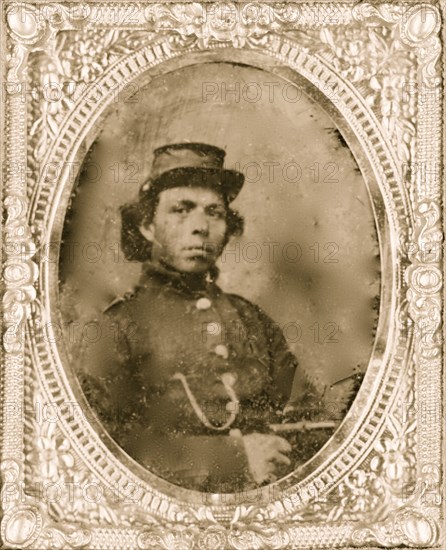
320 281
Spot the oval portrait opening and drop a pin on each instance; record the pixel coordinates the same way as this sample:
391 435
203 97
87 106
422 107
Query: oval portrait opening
220 277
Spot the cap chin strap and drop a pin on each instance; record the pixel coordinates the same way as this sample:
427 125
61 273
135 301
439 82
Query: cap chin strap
228 381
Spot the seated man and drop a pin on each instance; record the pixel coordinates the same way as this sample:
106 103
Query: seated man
186 378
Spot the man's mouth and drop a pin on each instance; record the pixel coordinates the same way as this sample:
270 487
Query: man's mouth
202 253
202 249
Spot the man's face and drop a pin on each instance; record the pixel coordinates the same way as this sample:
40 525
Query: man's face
188 230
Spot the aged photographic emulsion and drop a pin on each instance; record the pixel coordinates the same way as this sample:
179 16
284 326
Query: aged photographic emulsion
222 271
187 373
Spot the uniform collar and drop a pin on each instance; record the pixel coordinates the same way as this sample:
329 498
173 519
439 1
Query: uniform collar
189 283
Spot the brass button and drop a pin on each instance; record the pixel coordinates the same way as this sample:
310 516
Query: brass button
203 303
222 351
213 329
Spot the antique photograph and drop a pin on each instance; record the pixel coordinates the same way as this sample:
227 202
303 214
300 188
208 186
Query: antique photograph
222 275
236 353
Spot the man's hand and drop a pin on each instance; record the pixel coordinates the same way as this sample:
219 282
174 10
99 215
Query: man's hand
265 453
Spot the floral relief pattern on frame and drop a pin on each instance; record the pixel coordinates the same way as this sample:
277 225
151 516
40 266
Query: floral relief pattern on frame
377 63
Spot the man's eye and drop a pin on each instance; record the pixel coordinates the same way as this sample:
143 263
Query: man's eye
179 209
215 213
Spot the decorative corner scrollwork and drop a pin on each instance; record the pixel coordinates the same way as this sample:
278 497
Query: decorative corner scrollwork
25 523
419 29
31 29
407 526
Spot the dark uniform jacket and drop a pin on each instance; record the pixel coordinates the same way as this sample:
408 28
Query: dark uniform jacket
181 371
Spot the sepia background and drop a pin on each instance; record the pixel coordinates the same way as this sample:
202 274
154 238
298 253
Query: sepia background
309 254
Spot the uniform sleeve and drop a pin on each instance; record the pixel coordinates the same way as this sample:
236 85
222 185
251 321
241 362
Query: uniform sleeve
287 376
283 363
291 389
102 363
285 372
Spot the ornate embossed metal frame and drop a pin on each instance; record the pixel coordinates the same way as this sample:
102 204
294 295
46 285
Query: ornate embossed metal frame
377 69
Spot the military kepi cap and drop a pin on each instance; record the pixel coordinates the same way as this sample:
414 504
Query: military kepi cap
192 165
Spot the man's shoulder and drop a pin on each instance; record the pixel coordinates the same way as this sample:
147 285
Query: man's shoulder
126 304
243 305
119 304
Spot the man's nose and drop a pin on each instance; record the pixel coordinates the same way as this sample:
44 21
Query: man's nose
199 222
